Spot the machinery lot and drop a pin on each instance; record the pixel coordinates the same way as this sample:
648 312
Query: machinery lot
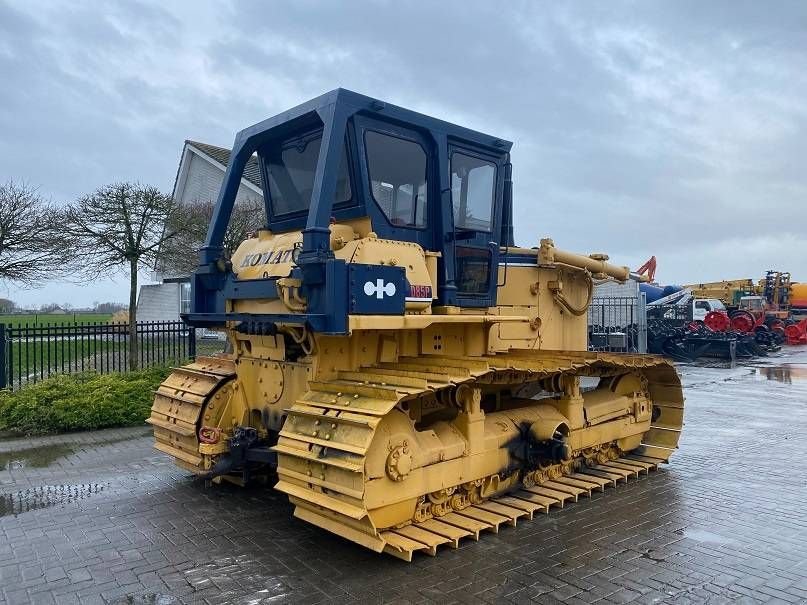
101 517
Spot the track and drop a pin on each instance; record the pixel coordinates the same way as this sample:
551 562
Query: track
178 405
323 445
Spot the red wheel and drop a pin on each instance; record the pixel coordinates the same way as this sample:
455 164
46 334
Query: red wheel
717 321
743 321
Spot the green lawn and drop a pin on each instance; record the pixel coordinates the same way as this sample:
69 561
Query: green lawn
31 357
43 319
36 359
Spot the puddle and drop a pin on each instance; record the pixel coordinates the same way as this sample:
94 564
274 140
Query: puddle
34 457
46 496
707 537
786 373
147 599
42 456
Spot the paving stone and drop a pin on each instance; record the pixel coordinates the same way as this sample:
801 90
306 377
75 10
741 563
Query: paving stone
723 523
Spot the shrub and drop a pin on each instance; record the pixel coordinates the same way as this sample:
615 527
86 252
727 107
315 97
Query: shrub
79 402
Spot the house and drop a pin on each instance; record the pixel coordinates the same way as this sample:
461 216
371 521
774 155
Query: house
199 177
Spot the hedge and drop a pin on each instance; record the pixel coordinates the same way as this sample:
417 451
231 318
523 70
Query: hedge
78 402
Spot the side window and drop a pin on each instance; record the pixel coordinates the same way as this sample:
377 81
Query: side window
291 169
702 304
184 297
397 170
473 183
473 270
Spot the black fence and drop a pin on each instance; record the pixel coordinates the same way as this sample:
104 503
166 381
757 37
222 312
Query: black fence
30 353
617 324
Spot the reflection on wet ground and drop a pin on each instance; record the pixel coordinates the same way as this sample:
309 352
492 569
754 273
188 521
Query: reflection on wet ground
34 457
42 456
785 373
46 496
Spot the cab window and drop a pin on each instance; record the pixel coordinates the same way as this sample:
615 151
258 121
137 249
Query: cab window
397 170
291 167
473 270
473 182
702 305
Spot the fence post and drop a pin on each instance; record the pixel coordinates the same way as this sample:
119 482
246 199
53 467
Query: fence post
3 365
642 322
192 342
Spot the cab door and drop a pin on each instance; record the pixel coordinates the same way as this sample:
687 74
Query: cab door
476 194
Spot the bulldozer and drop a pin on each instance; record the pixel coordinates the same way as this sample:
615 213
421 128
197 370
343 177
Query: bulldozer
408 374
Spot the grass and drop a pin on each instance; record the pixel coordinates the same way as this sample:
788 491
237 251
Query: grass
43 319
79 402
34 356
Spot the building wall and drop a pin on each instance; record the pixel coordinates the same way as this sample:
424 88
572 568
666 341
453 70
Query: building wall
158 302
613 289
204 181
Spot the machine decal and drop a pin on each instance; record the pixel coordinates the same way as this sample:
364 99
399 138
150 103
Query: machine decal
379 288
419 293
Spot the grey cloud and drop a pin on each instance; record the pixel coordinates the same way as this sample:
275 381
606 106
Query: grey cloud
674 128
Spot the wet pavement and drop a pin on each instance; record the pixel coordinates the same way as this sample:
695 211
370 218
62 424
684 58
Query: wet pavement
101 517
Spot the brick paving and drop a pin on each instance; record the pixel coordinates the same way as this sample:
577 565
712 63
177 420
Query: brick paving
102 518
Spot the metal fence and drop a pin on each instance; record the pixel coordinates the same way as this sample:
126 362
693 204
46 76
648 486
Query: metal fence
674 315
30 353
618 324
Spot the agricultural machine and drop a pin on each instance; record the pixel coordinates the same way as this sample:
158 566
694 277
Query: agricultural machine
410 374
685 328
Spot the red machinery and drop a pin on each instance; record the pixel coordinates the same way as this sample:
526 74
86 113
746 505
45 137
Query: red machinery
796 334
717 321
745 321
649 268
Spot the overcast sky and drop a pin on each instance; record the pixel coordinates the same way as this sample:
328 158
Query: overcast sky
670 128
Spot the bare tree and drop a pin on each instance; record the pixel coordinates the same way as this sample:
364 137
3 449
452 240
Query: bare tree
31 243
178 255
120 228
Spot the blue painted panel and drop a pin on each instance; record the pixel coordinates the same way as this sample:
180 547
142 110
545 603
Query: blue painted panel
377 289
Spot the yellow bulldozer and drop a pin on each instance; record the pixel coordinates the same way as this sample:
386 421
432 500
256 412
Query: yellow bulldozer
410 374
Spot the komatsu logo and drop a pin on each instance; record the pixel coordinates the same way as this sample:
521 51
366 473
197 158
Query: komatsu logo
274 257
380 288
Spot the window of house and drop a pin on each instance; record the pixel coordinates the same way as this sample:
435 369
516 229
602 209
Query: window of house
397 178
185 297
473 183
291 168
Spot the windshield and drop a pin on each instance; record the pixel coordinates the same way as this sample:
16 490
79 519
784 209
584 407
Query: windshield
291 168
